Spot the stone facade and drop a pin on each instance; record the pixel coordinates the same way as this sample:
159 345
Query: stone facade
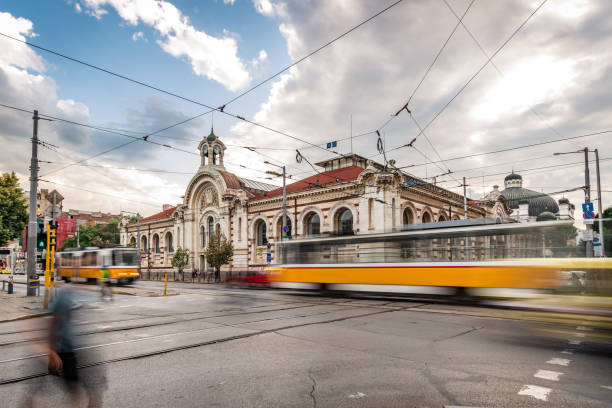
350 195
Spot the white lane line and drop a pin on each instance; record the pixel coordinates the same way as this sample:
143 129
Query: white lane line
535 391
104 327
548 375
607 387
575 342
559 361
567 352
126 306
584 328
358 395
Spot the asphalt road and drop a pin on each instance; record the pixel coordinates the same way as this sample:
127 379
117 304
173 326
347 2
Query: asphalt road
218 347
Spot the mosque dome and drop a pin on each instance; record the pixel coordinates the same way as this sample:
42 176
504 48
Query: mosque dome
546 216
515 194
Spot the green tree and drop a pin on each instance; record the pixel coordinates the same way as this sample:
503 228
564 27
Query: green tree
218 253
13 209
96 235
180 259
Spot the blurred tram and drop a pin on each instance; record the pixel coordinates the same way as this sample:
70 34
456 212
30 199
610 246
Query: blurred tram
86 264
450 257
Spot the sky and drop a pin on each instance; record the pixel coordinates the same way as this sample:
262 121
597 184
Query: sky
487 90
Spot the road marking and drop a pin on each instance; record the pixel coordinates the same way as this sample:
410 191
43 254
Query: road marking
575 342
548 375
104 327
559 361
567 352
126 306
358 395
584 328
535 391
579 334
607 387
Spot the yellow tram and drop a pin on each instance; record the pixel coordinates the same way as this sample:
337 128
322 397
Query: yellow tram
444 258
86 264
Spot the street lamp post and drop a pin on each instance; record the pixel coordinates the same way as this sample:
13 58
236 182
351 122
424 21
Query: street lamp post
587 192
284 257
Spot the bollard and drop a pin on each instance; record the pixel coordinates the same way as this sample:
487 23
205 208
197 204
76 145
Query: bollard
165 283
10 285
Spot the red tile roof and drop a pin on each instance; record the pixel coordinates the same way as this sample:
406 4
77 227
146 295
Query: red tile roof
323 179
160 215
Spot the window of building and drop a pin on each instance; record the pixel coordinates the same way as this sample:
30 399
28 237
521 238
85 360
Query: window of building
370 213
345 222
203 235
393 212
169 245
313 224
143 244
426 217
211 228
407 216
239 228
156 243
260 229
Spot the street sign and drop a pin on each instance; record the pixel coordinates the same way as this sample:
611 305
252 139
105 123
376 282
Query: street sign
286 228
269 257
588 215
268 245
587 207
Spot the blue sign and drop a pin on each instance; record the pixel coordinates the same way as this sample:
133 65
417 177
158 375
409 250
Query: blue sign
286 228
268 245
588 215
332 144
587 207
269 257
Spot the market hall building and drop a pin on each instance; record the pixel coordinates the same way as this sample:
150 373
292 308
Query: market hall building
350 195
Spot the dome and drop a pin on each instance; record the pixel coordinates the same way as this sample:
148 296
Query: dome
538 202
546 216
212 137
513 176
564 201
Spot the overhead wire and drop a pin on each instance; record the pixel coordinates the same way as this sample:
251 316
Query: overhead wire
482 67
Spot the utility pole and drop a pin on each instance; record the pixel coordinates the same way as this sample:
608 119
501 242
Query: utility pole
32 224
465 216
601 209
78 234
284 255
587 199
139 255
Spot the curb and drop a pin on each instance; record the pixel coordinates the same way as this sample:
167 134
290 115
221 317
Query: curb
33 316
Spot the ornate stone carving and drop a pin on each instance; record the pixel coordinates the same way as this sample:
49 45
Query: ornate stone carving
209 197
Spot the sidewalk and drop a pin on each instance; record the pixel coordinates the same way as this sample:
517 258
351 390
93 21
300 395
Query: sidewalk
18 306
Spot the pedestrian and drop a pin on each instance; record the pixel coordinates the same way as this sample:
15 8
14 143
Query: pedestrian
104 281
63 361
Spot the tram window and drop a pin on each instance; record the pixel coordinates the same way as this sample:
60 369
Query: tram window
89 259
125 258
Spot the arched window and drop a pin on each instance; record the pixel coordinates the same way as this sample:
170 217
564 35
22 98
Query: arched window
169 246
280 231
426 217
178 236
260 230
239 228
216 155
313 224
203 235
133 241
143 244
211 228
441 217
156 243
407 216
393 212
345 222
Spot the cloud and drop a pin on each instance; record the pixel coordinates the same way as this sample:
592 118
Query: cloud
262 55
138 36
212 57
229 2
557 72
77 7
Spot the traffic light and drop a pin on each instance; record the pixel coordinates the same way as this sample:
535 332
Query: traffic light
41 235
